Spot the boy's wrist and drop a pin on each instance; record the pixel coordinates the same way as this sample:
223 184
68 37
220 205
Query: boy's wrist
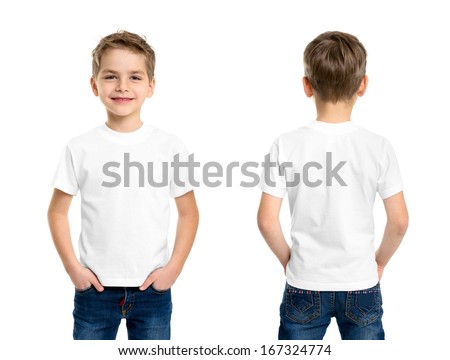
174 268
72 266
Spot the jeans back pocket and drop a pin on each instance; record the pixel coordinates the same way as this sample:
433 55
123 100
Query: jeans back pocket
364 306
302 306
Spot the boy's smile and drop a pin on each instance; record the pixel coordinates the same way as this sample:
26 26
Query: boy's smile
122 100
122 84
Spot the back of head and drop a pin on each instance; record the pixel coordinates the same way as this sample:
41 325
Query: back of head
124 40
335 65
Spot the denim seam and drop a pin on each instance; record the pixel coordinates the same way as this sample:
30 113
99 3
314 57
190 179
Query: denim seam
316 305
364 321
332 301
159 292
123 311
83 291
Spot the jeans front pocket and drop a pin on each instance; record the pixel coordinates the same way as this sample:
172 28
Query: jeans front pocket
364 306
83 291
156 291
302 306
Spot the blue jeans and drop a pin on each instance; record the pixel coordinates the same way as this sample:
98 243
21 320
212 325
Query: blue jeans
305 315
97 315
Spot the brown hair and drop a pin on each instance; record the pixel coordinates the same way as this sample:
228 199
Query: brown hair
124 40
335 65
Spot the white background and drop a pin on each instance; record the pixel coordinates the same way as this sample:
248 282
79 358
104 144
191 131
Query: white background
228 81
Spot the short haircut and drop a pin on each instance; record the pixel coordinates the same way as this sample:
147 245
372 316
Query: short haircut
335 65
124 40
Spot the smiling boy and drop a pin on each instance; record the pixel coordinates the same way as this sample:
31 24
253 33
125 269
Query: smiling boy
124 270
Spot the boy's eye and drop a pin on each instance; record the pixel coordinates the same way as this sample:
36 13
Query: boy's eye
134 77
110 77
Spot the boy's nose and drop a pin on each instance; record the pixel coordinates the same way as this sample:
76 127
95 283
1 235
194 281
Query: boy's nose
122 86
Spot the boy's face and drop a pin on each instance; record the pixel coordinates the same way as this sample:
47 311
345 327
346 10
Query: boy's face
122 83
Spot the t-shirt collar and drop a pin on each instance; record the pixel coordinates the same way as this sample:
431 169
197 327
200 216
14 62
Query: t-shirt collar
132 137
333 128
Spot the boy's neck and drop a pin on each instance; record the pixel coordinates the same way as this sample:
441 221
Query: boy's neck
123 125
334 113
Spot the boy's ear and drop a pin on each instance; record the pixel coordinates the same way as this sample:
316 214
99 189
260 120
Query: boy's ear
151 88
363 87
94 86
307 87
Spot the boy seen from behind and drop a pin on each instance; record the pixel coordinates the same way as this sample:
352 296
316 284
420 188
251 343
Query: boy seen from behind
331 171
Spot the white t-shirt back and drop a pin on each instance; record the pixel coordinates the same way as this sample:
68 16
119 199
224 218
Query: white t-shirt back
331 174
125 198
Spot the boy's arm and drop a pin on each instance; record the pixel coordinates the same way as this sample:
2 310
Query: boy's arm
188 217
396 226
58 221
270 227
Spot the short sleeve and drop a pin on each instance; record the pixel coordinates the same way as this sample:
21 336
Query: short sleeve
65 178
272 180
389 180
183 177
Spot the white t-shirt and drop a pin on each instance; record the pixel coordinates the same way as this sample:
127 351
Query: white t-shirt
339 169
124 219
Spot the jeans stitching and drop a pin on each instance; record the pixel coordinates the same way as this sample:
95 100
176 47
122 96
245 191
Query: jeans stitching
159 292
332 302
374 289
123 311
83 291
362 320
315 296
